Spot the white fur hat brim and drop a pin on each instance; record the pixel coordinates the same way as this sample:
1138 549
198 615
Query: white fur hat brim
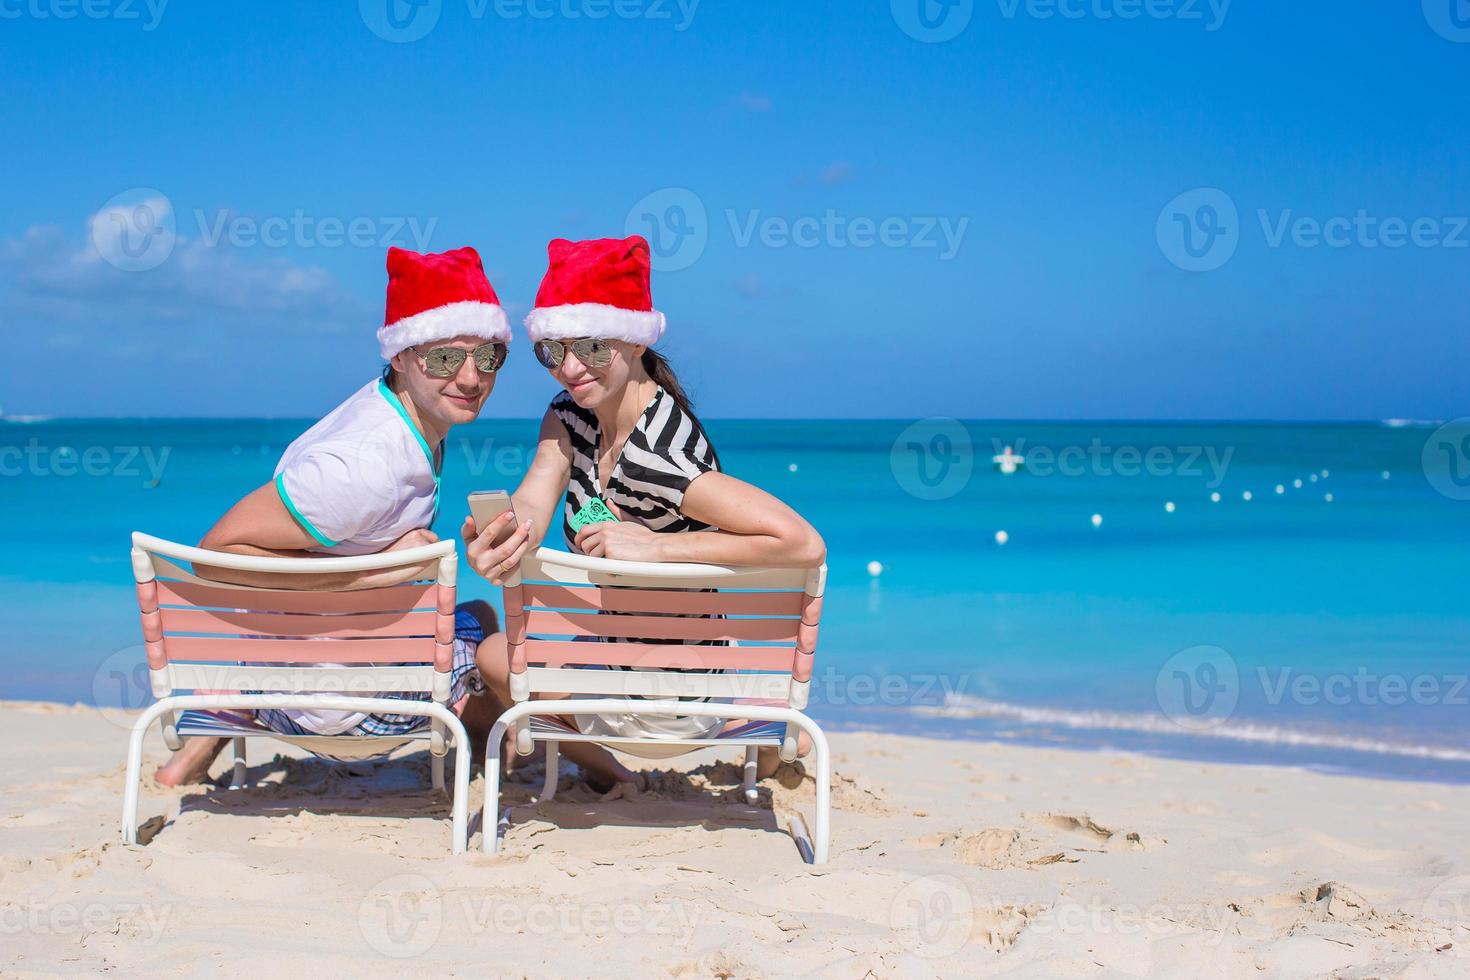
575 320
470 318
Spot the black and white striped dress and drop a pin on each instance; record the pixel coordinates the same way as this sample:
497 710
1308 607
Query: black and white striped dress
663 454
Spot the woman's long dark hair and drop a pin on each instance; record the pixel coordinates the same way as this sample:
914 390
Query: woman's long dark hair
658 368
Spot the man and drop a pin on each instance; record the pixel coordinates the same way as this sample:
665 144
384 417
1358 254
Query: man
365 479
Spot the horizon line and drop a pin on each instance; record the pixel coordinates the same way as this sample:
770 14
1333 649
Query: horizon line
24 419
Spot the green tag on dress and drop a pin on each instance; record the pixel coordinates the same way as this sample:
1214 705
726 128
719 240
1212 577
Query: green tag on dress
594 512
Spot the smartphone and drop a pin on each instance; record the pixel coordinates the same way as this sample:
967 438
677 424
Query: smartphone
486 505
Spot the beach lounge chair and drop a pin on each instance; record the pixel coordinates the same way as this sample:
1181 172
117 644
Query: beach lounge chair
555 599
206 635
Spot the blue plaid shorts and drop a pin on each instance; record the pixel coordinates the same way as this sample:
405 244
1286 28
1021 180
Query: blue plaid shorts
464 679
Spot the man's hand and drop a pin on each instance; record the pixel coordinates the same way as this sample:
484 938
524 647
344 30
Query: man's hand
492 561
622 540
416 538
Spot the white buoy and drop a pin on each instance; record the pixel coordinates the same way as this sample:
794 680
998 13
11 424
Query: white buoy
875 568
1386 474
1328 498
791 468
1313 478
1325 474
1280 488
1246 495
1001 537
1297 483
1008 462
1097 520
1169 507
1215 497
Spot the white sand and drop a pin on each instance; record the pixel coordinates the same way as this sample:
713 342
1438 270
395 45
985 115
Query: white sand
948 858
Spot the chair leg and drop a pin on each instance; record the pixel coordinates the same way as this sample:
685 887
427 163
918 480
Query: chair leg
553 760
824 796
752 753
134 776
490 817
237 751
436 769
460 806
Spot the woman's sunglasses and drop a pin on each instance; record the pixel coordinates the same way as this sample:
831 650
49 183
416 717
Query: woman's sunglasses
445 362
591 352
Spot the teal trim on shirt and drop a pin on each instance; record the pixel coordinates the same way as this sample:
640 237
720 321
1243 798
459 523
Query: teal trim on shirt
435 466
300 519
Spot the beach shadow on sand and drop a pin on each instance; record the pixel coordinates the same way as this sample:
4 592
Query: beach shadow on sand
395 786
709 796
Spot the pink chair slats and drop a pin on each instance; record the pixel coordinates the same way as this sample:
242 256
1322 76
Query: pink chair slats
553 653
350 625
540 622
396 598
663 601
214 649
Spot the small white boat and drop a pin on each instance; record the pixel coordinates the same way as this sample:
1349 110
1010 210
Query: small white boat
1008 462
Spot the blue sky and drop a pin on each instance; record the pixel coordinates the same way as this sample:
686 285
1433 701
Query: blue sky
856 216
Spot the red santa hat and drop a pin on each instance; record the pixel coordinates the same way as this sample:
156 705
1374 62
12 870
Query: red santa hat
436 297
597 288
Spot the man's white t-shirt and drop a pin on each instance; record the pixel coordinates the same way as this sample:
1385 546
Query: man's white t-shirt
357 481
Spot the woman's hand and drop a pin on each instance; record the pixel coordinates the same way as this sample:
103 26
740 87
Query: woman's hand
622 540
492 561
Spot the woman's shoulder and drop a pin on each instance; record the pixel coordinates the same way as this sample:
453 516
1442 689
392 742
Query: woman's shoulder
580 423
675 434
563 406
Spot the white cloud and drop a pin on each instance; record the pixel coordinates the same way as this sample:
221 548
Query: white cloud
837 172
834 174
107 281
751 286
753 102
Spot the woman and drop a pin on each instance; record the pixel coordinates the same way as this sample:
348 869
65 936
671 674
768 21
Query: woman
624 433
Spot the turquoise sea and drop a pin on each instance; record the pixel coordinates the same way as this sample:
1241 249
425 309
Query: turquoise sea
1287 628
